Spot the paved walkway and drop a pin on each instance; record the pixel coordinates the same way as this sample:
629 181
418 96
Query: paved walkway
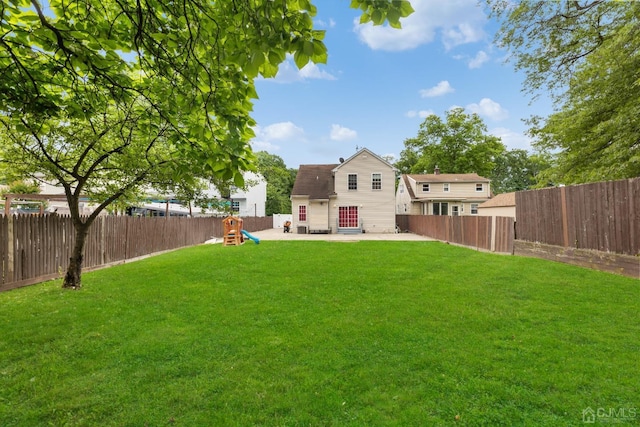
278 234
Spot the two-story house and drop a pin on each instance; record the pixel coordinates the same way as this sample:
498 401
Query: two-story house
441 194
353 196
244 202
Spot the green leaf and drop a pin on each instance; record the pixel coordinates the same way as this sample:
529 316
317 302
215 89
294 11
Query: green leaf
238 180
377 17
301 59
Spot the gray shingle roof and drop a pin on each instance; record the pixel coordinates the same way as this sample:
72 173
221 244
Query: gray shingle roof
501 200
315 181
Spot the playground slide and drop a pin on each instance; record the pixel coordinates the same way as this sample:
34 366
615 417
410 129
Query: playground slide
250 236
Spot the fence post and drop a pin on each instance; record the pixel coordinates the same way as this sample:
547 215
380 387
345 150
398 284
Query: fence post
10 249
563 208
493 233
102 240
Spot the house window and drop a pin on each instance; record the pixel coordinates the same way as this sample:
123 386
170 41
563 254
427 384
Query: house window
474 209
348 217
376 181
302 213
479 187
352 183
440 208
235 206
425 188
445 187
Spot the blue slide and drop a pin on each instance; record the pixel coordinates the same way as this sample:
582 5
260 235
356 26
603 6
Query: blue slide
250 236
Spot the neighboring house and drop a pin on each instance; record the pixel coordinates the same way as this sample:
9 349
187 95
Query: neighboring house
501 205
251 201
243 202
441 194
354 196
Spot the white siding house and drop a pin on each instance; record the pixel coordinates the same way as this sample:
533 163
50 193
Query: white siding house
354 196
244 202
501 205
441 194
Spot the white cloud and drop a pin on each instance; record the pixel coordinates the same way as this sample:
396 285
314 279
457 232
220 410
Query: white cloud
288 72
258 145
481 58
513 140
284 132
440 89
281 132
422 113
457 21
324 24
341 133
312 71
462 33
489 108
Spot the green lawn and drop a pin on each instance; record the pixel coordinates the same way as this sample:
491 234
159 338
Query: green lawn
323 333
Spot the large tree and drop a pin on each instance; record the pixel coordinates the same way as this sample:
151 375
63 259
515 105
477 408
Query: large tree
100 95
280 181
517 170
586 56
458 144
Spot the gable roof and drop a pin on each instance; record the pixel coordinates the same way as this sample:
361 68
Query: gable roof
408 186
501 200
449 177
315 181
363 150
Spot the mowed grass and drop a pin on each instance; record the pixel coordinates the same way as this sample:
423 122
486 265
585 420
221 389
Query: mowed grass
322 333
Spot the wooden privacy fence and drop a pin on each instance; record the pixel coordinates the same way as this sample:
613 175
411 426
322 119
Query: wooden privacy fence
592 225
481 232
34 248
603 216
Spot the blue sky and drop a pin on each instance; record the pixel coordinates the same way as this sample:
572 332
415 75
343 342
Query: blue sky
379 83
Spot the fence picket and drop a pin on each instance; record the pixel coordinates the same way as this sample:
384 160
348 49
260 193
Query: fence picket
34 248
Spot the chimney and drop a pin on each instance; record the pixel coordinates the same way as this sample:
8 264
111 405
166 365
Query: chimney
436 171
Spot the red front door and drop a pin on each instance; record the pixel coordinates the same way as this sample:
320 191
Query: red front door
348 217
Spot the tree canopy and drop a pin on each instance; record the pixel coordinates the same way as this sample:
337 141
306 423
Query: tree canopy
106 96
280 181
586 56
458 144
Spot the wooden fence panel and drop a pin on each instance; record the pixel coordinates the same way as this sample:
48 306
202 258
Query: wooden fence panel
473 231
4 246
601 216
505 234
36 248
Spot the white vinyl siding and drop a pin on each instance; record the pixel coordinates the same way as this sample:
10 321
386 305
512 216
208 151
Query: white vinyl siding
376 207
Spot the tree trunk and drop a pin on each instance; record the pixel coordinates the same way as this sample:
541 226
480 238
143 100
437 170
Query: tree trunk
72 280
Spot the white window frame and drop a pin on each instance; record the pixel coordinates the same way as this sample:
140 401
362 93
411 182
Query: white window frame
355 183
474 208
306 213
379 181
440 206
479 187
426 188
445 187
